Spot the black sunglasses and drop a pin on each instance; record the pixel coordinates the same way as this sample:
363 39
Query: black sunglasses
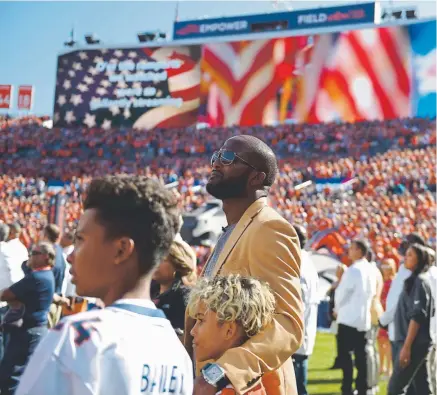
227 158
35 253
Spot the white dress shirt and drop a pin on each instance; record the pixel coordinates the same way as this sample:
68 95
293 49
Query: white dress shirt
396 287
376 309
354 294
68 250
433 283
309 280
12 254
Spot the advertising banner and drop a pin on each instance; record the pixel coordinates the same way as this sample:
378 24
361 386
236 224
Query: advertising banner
5 96
293 20
25 97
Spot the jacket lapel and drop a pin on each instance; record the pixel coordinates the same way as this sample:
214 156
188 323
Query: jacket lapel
238 231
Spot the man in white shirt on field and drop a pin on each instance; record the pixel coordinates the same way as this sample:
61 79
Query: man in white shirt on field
129 347
309 281
12 254
353 299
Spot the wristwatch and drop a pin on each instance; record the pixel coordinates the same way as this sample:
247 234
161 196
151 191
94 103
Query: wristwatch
215 375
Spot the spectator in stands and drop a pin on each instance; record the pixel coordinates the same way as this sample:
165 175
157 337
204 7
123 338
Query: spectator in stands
126 230
52 234
8 276
388 269
353 299
15 252
67 242
228 311
175 275
260 243
309 280
35 291
412 326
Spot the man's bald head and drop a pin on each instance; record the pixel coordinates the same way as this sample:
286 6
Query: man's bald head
259 155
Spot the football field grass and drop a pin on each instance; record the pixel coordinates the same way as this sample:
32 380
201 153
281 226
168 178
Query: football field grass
321 380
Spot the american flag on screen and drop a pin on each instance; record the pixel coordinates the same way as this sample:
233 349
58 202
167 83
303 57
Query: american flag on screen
241 79
79 82
357 75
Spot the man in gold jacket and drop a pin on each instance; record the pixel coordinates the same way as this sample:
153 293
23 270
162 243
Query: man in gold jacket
257 242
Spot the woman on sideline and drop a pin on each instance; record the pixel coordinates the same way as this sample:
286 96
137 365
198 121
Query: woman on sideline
388 269
412 326
228 310
175 275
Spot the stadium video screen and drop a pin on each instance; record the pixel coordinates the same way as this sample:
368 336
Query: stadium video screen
355 75
139 87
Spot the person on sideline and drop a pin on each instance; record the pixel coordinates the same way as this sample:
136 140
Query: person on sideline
388 269
129 347
386 321
35 293
376 310
341 268
353 299
412 325
257 242
175 275
432 361
309 280
228 311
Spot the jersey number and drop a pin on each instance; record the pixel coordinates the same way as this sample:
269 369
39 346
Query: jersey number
83 330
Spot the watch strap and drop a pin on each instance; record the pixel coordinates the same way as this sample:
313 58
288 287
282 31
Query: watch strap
222 383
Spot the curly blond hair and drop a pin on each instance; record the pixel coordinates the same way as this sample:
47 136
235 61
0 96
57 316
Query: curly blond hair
246 300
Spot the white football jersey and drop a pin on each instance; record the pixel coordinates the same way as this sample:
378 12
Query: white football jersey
128 348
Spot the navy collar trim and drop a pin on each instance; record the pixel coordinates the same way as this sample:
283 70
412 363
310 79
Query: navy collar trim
140 310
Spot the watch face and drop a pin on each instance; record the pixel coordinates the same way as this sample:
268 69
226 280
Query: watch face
214 373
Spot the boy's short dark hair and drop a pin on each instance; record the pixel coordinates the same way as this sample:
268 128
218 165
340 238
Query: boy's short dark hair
139 208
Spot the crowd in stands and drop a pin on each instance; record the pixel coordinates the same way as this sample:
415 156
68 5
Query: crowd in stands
390 167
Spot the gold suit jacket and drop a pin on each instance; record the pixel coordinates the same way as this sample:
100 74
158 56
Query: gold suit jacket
265 246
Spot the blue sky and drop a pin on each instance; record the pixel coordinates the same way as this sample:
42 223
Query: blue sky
32 33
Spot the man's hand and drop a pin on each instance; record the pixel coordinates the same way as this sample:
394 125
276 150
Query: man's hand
201 387
65 301
61 300
405 357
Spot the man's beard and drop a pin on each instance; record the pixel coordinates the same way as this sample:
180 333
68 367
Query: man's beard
232 188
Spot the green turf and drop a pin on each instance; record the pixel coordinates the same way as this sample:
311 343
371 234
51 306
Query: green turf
321 380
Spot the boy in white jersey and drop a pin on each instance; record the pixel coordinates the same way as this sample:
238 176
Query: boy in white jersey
129 347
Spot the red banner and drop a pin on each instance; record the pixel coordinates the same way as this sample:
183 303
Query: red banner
25 97
5 96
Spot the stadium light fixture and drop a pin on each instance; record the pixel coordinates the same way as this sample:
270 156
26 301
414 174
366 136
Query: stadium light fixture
70 43
151 36
411 14
91 39
146 37
397 14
